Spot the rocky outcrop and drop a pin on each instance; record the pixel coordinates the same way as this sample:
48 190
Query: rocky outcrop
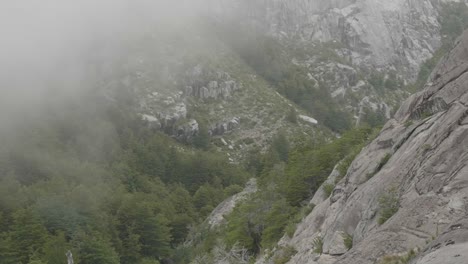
205 84
187 131
217 217
396 34
213 90
419 161
221 128
344 44
167 109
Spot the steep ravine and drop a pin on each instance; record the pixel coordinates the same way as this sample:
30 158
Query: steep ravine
426 176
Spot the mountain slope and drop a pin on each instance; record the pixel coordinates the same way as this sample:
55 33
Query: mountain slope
407 191
391 34
186 82
363 52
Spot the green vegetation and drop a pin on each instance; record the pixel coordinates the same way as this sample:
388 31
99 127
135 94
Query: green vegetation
96 180
309 166
343 166
398 259
328 189
373 118
318 245
287 178
426 147
315 98
348 240
292 115
453 18
292 225
285 255
273 62
202 139
380 165
389 203
383 161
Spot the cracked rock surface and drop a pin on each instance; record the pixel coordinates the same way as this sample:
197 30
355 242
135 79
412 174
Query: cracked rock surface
427 173
400 33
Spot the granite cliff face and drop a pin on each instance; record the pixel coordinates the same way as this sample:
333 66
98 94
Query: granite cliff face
371 48
397 35
186 78
418 168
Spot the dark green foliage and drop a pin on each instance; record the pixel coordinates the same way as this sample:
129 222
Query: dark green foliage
277 219
245 228
343 166
94 179
54 249
202 139
389 203
285 185
261 222
232 190
377 81
373 118
207 198
280 145
24 239
308 168
95 250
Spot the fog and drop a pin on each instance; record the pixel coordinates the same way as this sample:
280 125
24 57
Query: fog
45 44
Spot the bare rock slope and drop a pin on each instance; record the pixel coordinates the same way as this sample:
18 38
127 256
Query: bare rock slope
408 189
398 33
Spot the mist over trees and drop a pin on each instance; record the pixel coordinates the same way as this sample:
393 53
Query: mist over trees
81 171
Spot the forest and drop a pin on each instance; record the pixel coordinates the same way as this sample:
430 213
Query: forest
86 174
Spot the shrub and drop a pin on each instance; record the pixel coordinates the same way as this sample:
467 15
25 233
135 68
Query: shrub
343 166
318 245
389 204
292 225
328 189
348 240
292 116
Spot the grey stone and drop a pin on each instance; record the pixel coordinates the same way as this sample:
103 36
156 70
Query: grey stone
216 217
396 33
428 171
